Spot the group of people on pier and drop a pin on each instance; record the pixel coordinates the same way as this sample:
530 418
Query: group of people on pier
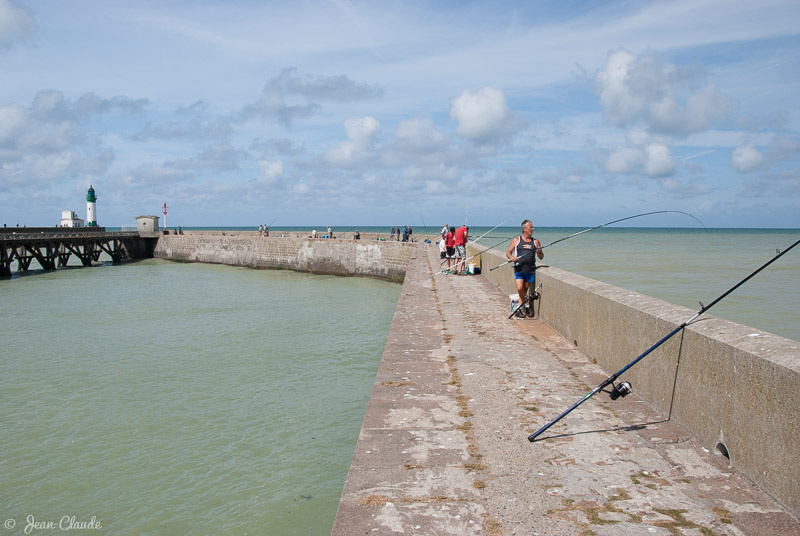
405 232
453 248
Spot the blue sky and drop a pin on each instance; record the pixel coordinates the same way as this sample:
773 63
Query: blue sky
349 113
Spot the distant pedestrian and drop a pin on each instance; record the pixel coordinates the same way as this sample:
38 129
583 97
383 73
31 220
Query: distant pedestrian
410 231
357 236
260 230
314 233
444 230
405 233
266 230
330 232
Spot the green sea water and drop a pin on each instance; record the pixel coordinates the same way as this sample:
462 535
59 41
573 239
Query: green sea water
165 398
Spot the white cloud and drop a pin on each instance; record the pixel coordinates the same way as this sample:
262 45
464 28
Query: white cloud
658 161
270 172
419 134
624 160
12 122
15 23
649 154
746 158
361 131
51 166
483 115
644 90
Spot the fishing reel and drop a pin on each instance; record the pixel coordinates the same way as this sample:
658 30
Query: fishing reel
620 390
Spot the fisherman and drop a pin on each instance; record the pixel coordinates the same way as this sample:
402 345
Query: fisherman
523 252
450 245
460 239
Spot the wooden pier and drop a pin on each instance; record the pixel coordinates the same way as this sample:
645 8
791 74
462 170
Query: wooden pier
52 247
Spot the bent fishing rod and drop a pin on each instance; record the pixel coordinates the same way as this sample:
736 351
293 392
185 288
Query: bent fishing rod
598 227
623 389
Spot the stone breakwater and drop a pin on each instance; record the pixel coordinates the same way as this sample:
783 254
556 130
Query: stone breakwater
734 387
443 446
371 258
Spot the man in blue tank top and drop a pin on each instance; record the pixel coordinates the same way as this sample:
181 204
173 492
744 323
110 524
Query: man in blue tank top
523 252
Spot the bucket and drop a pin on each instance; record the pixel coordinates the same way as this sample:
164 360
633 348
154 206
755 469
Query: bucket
514 298
471 268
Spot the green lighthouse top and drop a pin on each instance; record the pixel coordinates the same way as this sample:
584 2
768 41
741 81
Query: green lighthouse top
90 197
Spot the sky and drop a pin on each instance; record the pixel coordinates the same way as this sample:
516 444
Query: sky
348 113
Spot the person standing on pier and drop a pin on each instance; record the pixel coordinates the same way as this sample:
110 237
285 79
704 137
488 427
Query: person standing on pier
450 244
523 251
460 239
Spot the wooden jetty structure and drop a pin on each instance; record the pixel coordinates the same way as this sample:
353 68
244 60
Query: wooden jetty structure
52 247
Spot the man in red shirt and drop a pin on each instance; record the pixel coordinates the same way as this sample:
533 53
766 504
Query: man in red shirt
460 238
450 246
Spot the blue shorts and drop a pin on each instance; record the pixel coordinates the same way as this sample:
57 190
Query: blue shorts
528 278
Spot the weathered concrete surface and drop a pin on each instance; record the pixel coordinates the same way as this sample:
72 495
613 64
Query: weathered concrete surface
733 387
443 448
382 259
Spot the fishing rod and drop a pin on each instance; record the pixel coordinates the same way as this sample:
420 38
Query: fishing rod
266 228
476 241
623 389
425 226
529 298
598 227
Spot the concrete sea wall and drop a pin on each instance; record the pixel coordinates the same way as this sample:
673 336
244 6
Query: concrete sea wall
373 258
735 388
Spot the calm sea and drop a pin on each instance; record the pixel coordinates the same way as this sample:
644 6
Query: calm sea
167 398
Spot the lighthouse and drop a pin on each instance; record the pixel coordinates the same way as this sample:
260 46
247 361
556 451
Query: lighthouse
91 208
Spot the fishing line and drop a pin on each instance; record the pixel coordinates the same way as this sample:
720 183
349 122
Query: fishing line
623 389
477 239
425 226
599 226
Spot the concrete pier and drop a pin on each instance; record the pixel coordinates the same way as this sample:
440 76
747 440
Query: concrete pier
443 447
373 258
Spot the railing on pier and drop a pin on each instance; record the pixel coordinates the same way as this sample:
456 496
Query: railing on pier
53 247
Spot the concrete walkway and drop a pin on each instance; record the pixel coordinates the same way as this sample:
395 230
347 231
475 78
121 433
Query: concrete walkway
443 448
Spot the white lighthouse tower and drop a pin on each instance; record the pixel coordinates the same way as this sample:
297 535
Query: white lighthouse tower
91 208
